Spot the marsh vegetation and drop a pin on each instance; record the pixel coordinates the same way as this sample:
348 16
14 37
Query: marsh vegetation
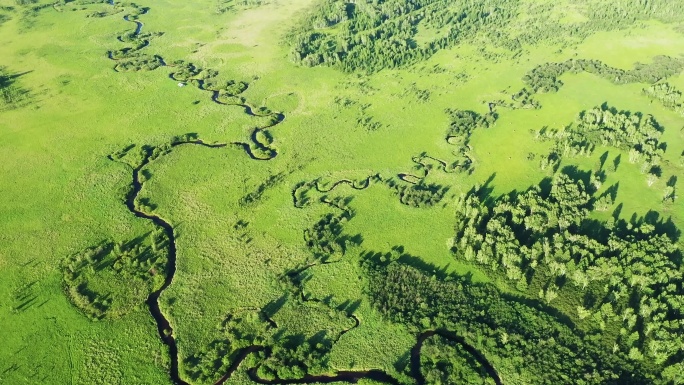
319 191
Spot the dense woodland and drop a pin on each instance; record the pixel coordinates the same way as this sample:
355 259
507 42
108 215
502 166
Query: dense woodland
445 362
370 35
626 275
524 342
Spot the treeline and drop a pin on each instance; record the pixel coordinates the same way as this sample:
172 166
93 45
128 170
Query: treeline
607 126
545 78
667 95
108 280
625 277
371 35
524 343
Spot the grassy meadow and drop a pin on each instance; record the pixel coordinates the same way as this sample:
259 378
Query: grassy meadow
237 230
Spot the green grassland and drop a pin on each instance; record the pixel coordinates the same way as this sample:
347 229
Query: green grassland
315 187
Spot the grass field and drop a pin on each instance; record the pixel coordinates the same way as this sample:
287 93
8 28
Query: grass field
240 240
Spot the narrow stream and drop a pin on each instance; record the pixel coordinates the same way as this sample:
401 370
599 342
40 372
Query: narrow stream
166 331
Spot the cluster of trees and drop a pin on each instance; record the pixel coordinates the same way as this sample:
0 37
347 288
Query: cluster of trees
238 331
521 100
670 193
421 194
324 239
545 77
462 123
368 122
236 5
295 359
624 14
421 95
108 280
523 342
461 126
134 61
4 17
445 362
255 196
207 79
544 236
372 35
667 95
607 126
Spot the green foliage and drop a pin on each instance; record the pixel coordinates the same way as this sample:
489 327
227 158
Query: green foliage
601 303
11 95
607 126
463 123
370 35
238 331
533 338
294 359
109 280
256 195
324 239
445 362
138 62
667 95
545 78
420 194
547 237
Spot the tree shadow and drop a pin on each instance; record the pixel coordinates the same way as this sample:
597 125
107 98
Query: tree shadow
578 175
484 191
653 218
274 306
602 160
616 162
672 181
